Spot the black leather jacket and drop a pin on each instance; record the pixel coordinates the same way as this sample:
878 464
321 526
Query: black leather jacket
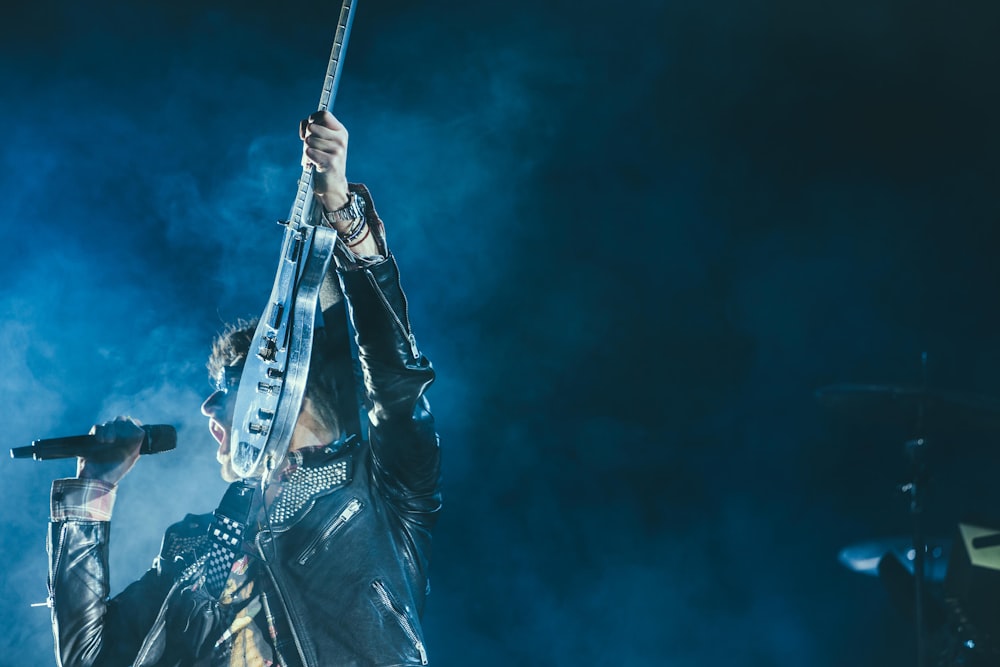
349 572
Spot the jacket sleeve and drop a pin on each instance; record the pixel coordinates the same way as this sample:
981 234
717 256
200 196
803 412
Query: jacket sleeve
89 629
404 443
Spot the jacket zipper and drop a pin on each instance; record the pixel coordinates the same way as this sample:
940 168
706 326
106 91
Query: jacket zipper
385 302
55 566
401 618
332 527
406 318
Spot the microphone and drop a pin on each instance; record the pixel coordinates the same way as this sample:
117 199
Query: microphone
158 438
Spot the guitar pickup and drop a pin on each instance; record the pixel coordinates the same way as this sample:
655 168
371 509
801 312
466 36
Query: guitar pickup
265 388
257 429
277 310
294 249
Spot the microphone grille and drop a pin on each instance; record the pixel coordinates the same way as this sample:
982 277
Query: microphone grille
159 438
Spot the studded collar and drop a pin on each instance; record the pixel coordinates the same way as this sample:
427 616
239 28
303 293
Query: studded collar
308 474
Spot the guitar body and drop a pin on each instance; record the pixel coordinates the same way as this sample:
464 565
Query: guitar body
278 362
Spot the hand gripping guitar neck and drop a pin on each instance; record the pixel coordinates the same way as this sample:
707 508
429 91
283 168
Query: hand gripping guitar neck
274 377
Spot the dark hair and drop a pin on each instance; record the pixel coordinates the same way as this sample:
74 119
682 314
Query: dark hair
232 345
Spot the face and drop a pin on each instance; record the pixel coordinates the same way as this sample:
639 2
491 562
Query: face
218 407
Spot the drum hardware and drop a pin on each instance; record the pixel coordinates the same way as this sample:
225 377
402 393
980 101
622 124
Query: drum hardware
973 576
919 409
900 584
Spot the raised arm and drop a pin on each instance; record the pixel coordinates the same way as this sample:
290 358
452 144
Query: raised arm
396 373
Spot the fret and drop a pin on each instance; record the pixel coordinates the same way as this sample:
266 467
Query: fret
335 65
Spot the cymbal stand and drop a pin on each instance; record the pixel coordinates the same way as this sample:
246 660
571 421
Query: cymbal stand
915 489
916 452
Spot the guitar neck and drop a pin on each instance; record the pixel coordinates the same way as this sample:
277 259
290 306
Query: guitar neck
302 205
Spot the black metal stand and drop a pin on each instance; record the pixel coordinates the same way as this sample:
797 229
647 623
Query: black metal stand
916 453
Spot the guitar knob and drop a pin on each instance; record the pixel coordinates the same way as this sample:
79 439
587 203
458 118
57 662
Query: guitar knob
267 350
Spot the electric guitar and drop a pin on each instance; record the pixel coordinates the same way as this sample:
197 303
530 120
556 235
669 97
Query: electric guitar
273 383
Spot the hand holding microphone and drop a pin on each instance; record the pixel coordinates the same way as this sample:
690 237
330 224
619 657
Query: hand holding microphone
108 452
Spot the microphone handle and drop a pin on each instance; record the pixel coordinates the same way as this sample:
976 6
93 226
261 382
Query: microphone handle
80 445
61 448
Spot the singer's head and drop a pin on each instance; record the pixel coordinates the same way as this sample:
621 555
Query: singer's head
317 423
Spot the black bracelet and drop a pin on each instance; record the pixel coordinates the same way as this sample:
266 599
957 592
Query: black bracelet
358 224
354 233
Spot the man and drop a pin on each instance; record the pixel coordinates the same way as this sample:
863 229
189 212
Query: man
323 563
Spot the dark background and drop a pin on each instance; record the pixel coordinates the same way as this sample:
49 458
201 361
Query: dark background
636 238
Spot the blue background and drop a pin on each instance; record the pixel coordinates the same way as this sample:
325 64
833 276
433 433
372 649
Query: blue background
636 238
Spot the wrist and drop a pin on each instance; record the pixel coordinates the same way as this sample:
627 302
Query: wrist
346 218
332 201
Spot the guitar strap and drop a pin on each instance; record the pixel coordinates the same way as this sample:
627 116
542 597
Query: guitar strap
226 533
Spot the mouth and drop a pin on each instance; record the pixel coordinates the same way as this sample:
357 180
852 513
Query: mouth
218 432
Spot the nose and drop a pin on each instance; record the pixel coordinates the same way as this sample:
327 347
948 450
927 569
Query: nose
213 404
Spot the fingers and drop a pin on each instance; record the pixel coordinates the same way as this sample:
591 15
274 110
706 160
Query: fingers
324 119
324 147
114 463
334 144
324 141
120 428
322 161
323 125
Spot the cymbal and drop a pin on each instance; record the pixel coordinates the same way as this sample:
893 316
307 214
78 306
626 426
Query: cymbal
911 404
864 557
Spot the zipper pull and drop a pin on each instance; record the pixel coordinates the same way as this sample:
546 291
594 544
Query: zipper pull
413 346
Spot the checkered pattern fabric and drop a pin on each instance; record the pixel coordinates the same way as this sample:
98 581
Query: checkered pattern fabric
82 500
226 535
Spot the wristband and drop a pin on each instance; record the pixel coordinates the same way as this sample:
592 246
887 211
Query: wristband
352 210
